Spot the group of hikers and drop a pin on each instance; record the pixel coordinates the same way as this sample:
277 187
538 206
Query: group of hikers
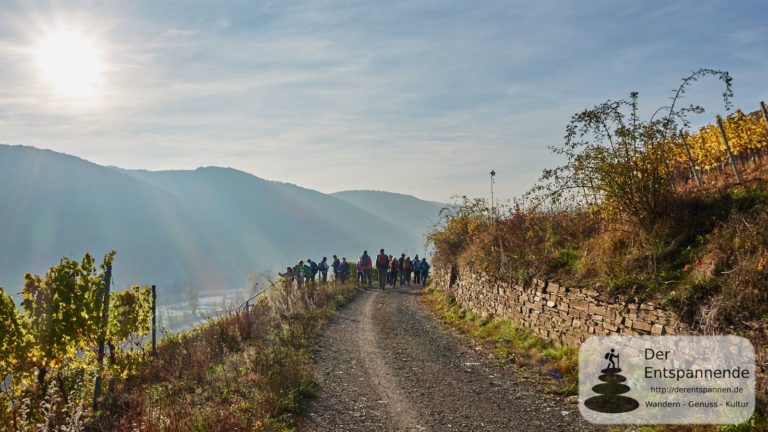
391 270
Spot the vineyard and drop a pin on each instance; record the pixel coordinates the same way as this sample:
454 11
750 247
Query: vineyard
71 361
52 350
745 136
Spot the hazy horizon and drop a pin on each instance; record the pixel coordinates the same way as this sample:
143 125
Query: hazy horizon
160 170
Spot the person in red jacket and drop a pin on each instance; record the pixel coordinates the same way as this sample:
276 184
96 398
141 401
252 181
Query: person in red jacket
382 265
366 265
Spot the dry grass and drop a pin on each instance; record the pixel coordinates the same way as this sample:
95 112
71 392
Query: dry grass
556 367
249 370
706 260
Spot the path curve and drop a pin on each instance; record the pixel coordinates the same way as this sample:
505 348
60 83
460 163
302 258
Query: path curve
384 364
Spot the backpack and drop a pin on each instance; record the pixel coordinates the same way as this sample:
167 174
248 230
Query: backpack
313 267
382 261
323 266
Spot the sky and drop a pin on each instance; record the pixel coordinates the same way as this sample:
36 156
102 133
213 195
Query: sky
417 97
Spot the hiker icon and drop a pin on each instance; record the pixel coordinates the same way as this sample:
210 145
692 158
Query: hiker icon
610 399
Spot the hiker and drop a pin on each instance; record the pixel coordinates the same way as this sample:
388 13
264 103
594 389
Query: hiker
382 264
366 264
336 264
343 269
407 270
287 277
393 271
309 275
401 263
313 266
359 270
424 270
323 267
298 272
416 271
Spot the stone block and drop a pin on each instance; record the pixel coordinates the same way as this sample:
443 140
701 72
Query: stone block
596 309
553 287
642 326
579 305
579 314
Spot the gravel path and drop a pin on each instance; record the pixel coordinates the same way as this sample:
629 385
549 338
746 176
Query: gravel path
384 364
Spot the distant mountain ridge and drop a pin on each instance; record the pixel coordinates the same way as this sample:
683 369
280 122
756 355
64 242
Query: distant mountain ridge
207 227
412 213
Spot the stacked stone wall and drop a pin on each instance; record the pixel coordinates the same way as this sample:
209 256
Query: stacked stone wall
568 316
562 314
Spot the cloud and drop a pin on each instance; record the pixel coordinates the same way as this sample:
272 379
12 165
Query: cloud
420 97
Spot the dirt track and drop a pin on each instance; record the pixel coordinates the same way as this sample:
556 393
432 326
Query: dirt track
384 364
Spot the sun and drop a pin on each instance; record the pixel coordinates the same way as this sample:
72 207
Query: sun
70 63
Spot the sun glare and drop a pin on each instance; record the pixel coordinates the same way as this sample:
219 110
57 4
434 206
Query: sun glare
70 63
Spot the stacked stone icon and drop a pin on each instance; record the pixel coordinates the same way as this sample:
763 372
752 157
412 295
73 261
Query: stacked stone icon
610 397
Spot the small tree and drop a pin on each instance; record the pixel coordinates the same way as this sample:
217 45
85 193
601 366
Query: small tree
620 164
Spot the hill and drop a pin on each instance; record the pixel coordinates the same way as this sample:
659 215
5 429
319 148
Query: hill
413 214
205 228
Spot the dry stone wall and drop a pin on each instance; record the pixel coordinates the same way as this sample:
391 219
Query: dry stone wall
569 316
562 314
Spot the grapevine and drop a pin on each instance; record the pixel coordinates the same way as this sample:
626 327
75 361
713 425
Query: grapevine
51 339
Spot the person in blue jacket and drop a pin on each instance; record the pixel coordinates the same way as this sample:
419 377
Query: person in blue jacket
344 269
424 271
323 268
416 271
336 264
